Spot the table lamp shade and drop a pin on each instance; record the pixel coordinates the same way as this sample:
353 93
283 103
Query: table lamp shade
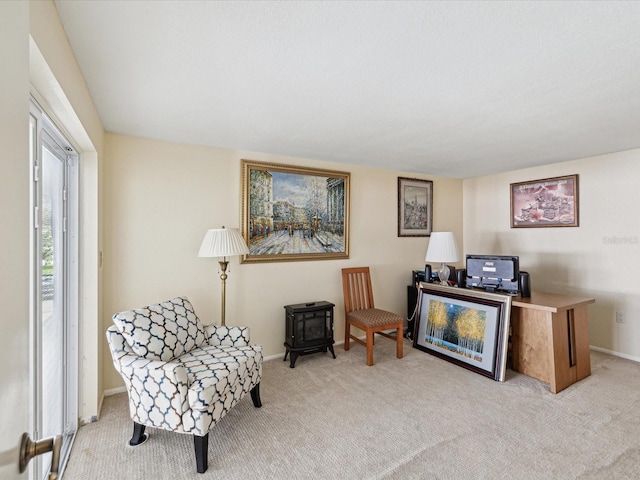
223 242
442 248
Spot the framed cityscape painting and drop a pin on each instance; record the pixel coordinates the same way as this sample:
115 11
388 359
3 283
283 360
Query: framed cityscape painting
415 207
467 327
294 213
551 202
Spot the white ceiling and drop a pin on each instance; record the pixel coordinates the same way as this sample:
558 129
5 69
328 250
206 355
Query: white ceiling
457 89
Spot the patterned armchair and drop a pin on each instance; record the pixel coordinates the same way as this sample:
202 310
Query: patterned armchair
180 375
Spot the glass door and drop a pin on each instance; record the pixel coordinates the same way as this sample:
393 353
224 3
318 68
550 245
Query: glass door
54 287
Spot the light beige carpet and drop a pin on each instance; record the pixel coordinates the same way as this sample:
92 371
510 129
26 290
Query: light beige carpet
415 418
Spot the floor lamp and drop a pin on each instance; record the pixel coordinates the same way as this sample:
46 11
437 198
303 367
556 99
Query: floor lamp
223 242
442 248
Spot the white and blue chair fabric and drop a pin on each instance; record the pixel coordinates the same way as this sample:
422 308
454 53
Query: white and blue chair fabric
182 376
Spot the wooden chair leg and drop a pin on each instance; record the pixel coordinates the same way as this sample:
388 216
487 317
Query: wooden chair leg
399 342
347 335
201 445
370 347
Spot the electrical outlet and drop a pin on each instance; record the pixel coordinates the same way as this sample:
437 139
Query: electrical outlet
619 317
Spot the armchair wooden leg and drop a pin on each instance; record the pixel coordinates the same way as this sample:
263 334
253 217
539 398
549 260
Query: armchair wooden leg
201 445
255 396
138 437
399 340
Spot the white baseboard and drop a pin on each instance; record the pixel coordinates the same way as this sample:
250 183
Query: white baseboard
341 342
615 354
281 355
274 357
114 391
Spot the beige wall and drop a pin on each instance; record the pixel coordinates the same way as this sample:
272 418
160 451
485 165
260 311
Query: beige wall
599 259
160 198
14 231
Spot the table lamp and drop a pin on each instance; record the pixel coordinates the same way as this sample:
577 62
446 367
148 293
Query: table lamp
442 249
223 242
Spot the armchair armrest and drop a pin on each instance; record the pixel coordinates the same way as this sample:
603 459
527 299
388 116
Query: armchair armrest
129 364
227 336
134 366
158 391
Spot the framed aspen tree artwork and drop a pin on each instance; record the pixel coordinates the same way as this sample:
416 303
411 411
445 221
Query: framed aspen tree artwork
467 327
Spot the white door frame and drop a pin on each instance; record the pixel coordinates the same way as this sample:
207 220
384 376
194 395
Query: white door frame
44 134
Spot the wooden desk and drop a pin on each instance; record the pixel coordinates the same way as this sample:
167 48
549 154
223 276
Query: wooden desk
550 338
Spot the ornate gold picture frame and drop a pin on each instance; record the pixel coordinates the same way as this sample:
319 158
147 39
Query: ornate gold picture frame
292 213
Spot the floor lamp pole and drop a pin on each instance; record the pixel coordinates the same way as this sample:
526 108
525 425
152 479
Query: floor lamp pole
223 276
222 243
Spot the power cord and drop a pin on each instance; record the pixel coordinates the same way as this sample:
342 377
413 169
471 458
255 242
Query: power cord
412 319
413 315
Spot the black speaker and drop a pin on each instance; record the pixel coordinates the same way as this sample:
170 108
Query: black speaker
461 278
427 273
416 277
452 274
524 284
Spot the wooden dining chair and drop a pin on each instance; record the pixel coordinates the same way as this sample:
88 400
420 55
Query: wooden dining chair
361 312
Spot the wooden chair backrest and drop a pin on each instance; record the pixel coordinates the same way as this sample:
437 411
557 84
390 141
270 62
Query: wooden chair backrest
356 289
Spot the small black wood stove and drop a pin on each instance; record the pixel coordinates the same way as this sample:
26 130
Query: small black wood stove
309 329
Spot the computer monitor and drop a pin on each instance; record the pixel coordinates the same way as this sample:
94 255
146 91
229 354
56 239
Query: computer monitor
493 272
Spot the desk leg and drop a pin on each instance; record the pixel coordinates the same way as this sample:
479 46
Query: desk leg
570 352
561 347
552 347
583 353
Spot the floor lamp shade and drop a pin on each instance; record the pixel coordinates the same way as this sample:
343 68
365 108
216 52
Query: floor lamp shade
223 242
442 249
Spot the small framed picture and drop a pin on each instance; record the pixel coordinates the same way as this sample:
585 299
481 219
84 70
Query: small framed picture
415 207
551 202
